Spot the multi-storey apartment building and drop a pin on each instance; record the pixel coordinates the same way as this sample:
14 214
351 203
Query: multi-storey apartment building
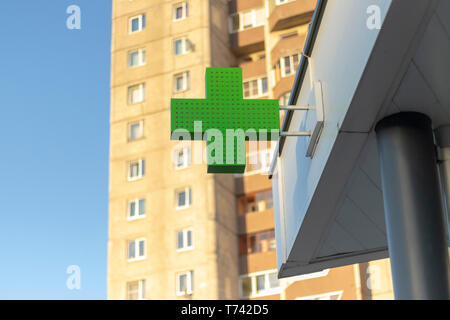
174 230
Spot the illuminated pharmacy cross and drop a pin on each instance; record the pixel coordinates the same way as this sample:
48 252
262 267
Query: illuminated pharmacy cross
225 108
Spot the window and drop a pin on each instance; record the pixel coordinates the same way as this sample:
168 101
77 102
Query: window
136 23
185 240
136 93
182 46
135 130
136 169
185 283
259 284
136 58
180 11
136 290
259 162
136 249
286 66
279 2
181 82
284 99
136 209
182 158
183 198
247 19
257 202
263 241
255 88
337 295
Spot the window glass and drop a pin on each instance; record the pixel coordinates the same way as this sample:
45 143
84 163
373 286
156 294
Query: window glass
260 283
235 22
247 18
272 240
141 248
180 160
259 17
246 286
134 58
287 65
134 170
264 85
182 282
189 238
133 290
135 131
295 59
179 83
269 200
135 24
132 209
182 199
178 46
254 85
246 89
179 239
273 280
141 207
136 93
179 13
131 250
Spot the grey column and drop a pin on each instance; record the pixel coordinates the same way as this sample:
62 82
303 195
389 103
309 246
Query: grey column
413 207
443 140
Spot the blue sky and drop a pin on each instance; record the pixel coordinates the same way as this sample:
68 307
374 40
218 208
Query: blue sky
54 132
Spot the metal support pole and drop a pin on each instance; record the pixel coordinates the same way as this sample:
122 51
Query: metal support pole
413 207
443 140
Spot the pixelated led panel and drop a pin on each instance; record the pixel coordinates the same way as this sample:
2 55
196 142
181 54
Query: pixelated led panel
224 108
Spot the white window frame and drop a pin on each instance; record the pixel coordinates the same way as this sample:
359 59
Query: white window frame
185 9
188 198
141 87
136 249
264 157
141 58
241 20
186 81
281 2
291 61
186 157
141 130
137 207
260 87
185 246
141 173
267 290
140 20
189 283
141 289
323 296
185 46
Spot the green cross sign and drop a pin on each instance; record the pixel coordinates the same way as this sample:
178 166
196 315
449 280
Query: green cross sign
226 119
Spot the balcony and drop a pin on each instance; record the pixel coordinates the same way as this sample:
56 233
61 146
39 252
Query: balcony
283 85
242 5
253 69
287 46
291 14
256 221
247 41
